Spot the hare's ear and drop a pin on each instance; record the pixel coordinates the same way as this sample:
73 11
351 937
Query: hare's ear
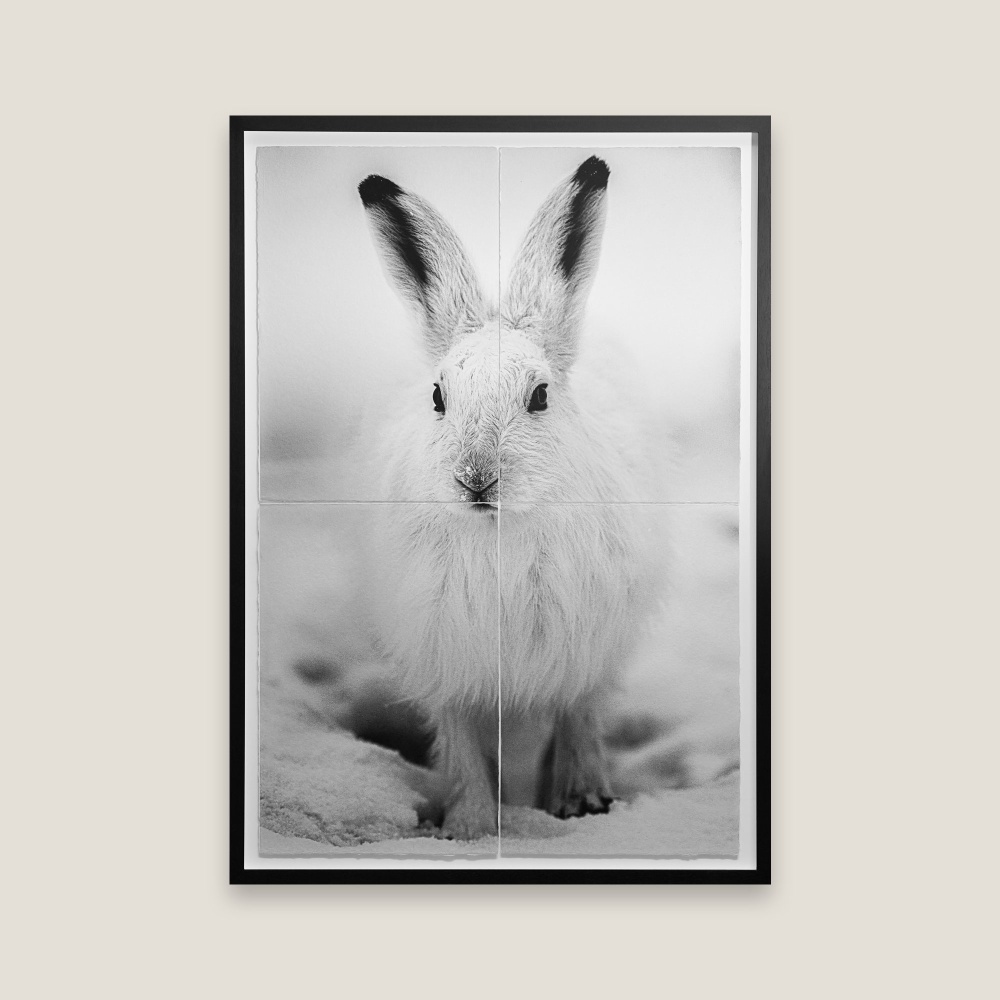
554 268
425 260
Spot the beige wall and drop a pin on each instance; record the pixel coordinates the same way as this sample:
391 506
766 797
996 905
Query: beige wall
114 409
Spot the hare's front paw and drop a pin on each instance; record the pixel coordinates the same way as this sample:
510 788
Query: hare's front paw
576 783
468 820
577 802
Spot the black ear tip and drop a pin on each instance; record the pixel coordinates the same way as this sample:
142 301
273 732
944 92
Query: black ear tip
374 189
592 174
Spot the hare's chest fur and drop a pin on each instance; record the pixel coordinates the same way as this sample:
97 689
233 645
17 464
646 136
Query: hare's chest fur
536 614
569 585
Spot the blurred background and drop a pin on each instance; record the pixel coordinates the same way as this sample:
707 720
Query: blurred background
334 339
664 310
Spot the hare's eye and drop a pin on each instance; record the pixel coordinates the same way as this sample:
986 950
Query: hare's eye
438 399
539 399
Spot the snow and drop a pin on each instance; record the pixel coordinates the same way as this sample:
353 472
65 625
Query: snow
686 823
673 731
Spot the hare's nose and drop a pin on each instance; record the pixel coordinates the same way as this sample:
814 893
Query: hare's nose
475 479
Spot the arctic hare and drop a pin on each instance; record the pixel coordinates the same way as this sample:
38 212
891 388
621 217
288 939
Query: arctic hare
504 596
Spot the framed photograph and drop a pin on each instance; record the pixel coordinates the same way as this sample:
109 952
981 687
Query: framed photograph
500 499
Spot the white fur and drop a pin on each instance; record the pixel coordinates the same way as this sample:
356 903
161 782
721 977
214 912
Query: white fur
538 616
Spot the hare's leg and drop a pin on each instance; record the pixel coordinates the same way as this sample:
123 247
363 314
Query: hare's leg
574 778
470 774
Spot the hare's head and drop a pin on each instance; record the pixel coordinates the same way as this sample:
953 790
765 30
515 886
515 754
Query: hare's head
501 417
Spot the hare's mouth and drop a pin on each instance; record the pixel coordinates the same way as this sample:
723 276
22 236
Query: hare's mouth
479 496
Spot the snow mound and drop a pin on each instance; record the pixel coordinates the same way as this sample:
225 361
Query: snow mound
342 756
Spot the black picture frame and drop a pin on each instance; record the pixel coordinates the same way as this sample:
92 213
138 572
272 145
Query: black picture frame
760 126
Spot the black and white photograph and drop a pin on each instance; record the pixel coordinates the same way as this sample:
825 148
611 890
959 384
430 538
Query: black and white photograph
501 397
488 488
